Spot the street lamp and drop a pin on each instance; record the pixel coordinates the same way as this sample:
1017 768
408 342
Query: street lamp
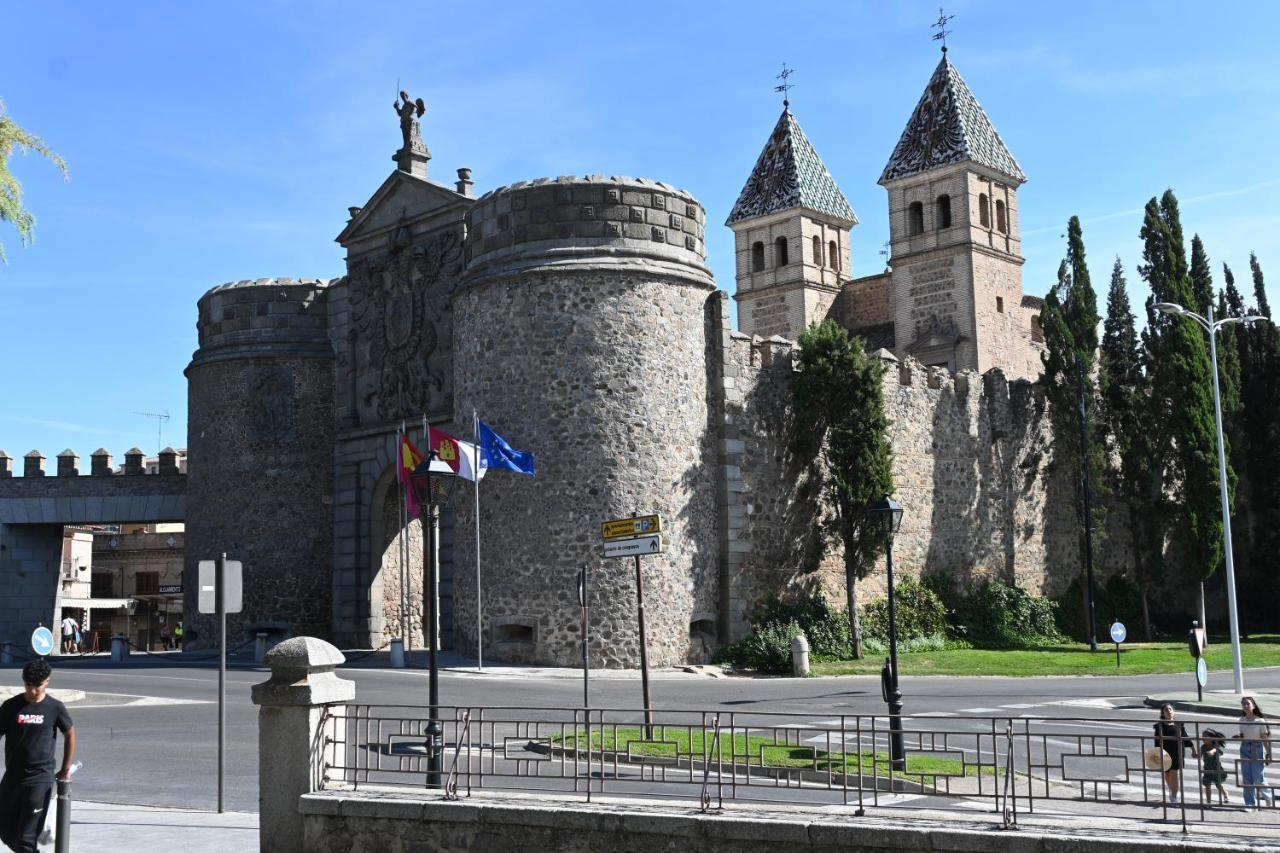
432 492
1211 326
886 514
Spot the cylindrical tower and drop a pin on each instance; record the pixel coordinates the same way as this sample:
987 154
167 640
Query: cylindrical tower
581 334
260 455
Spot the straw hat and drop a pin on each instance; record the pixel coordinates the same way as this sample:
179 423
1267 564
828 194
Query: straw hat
1156 758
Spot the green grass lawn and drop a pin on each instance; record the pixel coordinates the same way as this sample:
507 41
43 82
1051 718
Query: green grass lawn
1069 659
753 751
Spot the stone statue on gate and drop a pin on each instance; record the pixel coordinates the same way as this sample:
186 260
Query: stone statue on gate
410 130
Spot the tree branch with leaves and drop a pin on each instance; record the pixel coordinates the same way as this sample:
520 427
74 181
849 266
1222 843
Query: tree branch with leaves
13 139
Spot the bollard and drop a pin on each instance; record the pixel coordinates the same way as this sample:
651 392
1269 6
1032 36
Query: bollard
62 840
800 656
6 652
119 648
397 653
260 647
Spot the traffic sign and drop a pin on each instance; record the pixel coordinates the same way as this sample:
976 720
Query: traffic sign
232 586
629 528
42 641
639 547
1202 672
1118 632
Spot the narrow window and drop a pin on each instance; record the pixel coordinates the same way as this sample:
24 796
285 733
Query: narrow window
1002 223
817 250
984 210
780 252
833 253
944 211
757 256
999 304
915 218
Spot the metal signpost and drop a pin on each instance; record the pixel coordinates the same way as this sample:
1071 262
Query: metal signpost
1118 634
221 592
1196 642
42 641
635 537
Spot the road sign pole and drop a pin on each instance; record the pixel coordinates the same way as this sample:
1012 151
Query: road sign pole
1117 655
219 595
644 654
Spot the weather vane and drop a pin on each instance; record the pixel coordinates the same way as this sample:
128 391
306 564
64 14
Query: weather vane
785 86
941 24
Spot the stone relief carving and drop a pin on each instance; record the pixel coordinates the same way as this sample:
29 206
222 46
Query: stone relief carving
935 330
399 312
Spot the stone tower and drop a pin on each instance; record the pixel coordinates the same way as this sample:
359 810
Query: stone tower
581 332
791 234
955 249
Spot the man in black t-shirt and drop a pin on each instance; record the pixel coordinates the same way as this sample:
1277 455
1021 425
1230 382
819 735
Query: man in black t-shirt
29 725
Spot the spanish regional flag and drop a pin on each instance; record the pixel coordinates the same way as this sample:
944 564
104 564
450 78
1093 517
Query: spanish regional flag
410 458
461 457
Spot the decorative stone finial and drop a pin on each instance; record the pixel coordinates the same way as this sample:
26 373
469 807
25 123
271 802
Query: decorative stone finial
302 674
413 154
133 461
33 464
100 462
464 181
68 463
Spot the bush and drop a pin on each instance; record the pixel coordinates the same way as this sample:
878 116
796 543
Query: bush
776 622
767 649
996 616
1117 598
920 616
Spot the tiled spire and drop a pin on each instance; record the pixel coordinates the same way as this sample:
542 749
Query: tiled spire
790 174
949 126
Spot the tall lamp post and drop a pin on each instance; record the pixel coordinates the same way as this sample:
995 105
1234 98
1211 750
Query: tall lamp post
433 492
1212 326
887 514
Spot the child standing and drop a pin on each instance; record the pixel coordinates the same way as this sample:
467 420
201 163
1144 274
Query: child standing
1214 746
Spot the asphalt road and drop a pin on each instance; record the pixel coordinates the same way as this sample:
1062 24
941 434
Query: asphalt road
147 731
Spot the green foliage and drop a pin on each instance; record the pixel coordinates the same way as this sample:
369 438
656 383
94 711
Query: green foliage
919 613
776 622
14 138
997 616
1117 599
766 649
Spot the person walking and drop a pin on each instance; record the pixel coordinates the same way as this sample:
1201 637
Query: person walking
29 726
1172 738
1213 745
1255 753
69 630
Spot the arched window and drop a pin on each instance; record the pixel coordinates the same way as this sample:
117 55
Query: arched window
1002 223
817 250
915 218
984 210
757 256
944 211
833 254
780 252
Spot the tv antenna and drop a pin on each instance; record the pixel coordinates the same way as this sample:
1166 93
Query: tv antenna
160 417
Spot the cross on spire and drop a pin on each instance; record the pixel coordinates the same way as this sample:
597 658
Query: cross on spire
785 86
941 26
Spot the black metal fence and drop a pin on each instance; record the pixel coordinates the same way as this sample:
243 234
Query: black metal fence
1006 765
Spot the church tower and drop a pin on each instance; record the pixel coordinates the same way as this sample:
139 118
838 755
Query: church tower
791 233
954 238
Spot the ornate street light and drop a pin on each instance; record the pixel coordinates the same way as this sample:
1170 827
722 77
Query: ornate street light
886 514
433 490
1211 326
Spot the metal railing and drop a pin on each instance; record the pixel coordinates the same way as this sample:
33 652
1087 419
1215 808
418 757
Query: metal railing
1004 765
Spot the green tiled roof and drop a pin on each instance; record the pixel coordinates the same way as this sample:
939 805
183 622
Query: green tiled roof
788 175
949 126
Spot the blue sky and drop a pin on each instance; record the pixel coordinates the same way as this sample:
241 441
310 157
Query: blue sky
215 142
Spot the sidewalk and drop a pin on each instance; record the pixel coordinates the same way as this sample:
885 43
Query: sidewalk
114 828
1221 702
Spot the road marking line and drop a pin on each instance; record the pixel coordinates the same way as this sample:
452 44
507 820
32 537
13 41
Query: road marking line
1020 705
978 711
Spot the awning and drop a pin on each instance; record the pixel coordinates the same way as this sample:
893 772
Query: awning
96 603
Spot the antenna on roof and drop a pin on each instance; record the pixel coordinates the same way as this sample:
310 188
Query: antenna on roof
941 25
160 417
785 86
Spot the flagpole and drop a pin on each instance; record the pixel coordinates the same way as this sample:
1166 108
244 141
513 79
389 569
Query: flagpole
475 435
401 531
435 591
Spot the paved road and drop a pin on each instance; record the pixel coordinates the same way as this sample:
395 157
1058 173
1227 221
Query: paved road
148 729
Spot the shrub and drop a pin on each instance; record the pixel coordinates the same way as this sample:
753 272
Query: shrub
920 615
997 616
776 623
767 649
1117 598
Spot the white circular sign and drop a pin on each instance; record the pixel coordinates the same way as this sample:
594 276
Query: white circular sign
42 641
1118 633
1202 672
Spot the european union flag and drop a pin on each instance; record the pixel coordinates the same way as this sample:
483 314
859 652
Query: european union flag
499 454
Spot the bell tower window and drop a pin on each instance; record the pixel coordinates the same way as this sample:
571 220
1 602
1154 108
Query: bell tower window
984 210
780 252
915 219
833 254
757 256
817 250
1002 220
944 211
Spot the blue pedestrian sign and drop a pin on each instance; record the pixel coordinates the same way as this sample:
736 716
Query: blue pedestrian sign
1118 632
42 641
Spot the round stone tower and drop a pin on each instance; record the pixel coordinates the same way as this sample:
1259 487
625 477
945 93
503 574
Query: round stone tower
582 331
260 435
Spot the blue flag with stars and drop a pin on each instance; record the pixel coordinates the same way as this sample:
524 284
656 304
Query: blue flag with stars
499 454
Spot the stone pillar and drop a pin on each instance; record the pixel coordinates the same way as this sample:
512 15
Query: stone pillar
100 462
68 463
168 461
33 464
6 465
134 461
302 683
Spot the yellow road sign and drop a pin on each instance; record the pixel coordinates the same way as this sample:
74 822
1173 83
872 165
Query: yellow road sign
630 528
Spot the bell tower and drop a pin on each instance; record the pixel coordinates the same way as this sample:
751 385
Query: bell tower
954 237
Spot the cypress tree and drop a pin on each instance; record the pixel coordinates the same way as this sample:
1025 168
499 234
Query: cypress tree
1201 278
1259 288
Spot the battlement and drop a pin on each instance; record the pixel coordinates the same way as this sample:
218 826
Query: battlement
265 315
168 462
569 219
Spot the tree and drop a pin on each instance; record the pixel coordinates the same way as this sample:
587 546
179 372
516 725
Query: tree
1181 416
14 138
1259 287
1201 278
838 396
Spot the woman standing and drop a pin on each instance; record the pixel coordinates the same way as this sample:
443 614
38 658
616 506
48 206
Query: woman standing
1255 749
1172 738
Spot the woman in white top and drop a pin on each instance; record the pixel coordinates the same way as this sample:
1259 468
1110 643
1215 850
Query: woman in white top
1255 752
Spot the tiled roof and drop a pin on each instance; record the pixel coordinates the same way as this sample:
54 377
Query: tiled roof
790 174
949 126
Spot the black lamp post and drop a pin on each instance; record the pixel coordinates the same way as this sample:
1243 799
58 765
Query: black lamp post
433 492
886 514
